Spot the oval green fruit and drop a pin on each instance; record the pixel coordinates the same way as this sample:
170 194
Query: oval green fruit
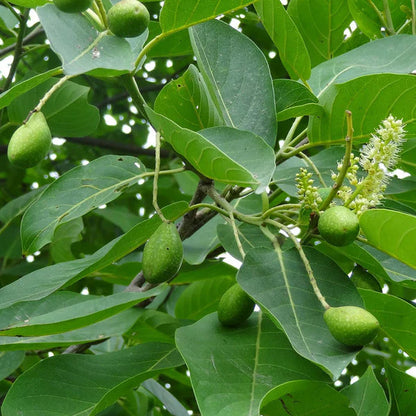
339 226
30 143
351 325
364 280
235 306
73 6
163 254
128 18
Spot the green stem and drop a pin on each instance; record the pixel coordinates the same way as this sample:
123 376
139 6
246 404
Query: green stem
389 20
147 47
155 179
288 137
236 236
314 168
16 15
270 211
208 206
346 162
131 86
102 12
302 255
95 18
413 17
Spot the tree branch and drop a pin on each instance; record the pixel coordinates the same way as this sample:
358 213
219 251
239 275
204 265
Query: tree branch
38 31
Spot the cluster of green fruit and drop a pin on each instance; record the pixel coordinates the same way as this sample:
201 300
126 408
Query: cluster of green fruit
126 19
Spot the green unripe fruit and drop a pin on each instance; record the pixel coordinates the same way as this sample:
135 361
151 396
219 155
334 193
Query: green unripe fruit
72 6
128 18
339 226
364 280
30 143
235 306
163 254
351 325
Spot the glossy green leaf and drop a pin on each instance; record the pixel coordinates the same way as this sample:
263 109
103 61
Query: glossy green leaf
114 326
392 232
81 385
9 362
45 281
7 97
392 54
75 316
371 99
205 270
230 368
65 235
186 101
238 78
75 193
280 285
29 3
221 153
403 390
286 37
322 24
367 397
397 318
180 14
202 297
89 50
301 397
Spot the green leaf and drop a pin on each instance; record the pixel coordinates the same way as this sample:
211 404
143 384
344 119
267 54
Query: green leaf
205 270
280 285
230 368
65 235
392 54
301 397
371 99
238 77
403 390
293 100
368 20
7 97
88 51
9 362
180 14
67 111
285 35
367 397
322 24
75 316
44 281
202 297
396 317
114 326
77 384
172 404
186 101
392 232
29 3
75 193
221 153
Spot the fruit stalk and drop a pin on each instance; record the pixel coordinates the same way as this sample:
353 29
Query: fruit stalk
302 255
156 178
102 12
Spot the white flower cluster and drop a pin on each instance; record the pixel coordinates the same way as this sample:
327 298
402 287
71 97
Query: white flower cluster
377 157
307 192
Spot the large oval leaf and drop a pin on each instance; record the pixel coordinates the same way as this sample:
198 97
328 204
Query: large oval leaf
392 232
238 78
75 193
371 99
221 153
231 368
84 384
280 285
